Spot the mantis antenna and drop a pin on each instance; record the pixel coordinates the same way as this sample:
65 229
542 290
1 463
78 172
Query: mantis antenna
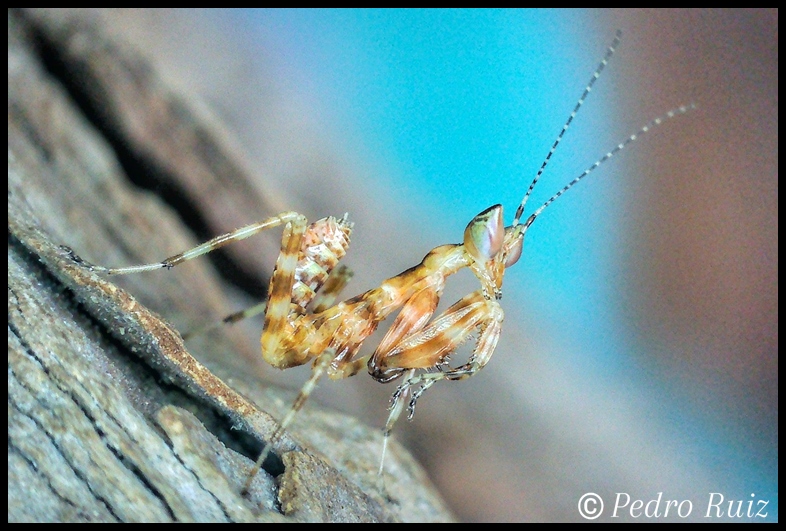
632 138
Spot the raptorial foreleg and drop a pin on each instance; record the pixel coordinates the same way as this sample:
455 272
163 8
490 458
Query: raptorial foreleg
429 347
490 329
412 318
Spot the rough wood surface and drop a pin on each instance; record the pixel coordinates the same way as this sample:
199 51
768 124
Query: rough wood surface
110 417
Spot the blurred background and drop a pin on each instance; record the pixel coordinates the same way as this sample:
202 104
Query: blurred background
639 351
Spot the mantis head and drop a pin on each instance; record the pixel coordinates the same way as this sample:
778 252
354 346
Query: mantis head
493 247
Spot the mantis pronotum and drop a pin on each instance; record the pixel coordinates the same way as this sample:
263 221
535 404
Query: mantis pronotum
303 325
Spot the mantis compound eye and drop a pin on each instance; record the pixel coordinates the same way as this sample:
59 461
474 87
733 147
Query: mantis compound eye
514 253
485 234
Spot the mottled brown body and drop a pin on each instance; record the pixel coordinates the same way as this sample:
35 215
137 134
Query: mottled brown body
303 325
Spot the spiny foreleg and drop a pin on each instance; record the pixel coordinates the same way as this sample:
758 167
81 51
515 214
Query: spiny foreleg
413 317
429 348
490 327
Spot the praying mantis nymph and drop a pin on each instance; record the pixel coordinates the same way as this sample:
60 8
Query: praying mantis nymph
303 324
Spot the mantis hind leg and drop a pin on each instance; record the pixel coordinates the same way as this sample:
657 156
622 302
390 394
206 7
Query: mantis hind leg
202 249
317 371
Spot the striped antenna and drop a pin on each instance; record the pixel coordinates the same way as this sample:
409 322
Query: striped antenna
587 89
632 138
